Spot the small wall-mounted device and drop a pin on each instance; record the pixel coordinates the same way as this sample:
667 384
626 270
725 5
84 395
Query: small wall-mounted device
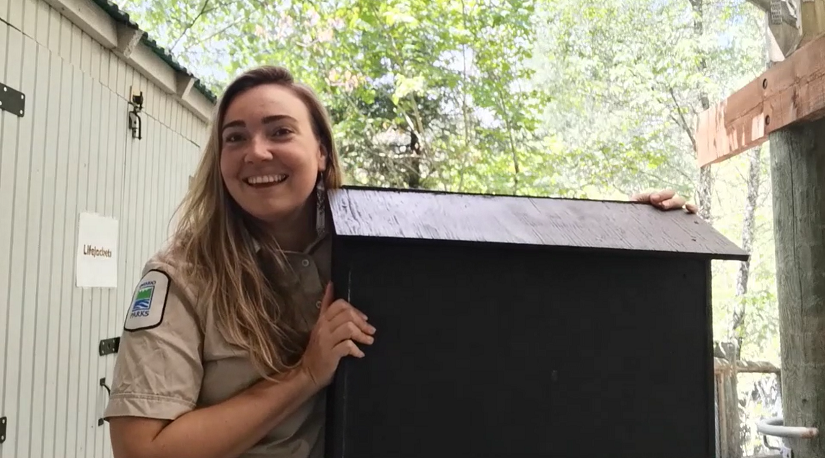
135 123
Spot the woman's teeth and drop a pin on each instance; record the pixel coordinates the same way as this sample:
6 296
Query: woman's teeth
266 179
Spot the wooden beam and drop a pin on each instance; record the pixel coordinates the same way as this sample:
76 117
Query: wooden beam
790 92
753 367
184 84
89 18
127 39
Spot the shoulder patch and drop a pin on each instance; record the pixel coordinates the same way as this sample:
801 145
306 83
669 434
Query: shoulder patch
148 302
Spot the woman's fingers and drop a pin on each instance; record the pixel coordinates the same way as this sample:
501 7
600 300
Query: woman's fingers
341 306
662 196
673 202
341 325
341 312
350 331
347 348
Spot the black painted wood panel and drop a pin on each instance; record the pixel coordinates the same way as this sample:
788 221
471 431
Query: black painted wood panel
488 352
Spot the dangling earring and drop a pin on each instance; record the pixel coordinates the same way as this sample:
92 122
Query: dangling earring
320 206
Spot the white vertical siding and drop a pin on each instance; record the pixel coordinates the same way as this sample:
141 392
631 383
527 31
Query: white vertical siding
72 152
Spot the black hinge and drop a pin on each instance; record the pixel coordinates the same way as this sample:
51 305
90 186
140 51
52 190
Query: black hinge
109 346
3 422
12 101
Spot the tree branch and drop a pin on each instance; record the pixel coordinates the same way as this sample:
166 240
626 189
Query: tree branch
684 124
190 25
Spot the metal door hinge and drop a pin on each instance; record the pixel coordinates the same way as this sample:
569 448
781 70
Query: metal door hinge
3 421
109 346
12 101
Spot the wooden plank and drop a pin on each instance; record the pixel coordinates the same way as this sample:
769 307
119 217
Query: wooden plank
15 16
30 163
29 17
14 156
754 367
4 17
789 92
70 303
42 32
86 44
65 38
5 223
82 313
566 223
77 40
97 51
47 319
94 296
111 80
55 31
58 137
106 204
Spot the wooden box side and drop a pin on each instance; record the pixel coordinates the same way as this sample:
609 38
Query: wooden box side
490 352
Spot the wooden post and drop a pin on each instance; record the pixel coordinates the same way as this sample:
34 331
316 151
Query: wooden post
798 176
730 430
786 105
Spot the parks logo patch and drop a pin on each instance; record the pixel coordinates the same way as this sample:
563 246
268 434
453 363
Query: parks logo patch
148 302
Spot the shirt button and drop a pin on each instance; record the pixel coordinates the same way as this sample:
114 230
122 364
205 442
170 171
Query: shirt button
305 263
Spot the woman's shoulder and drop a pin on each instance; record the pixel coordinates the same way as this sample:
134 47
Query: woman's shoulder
169 266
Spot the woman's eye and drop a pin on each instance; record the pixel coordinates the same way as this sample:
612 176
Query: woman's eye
281 132
233 138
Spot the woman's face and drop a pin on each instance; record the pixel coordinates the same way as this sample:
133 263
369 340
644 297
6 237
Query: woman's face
270 157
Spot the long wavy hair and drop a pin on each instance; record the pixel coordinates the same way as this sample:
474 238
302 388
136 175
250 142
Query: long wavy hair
216 240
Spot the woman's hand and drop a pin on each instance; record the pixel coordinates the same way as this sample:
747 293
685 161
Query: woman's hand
339 327
665 199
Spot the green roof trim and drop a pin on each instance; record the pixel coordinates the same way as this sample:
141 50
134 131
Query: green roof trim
122 17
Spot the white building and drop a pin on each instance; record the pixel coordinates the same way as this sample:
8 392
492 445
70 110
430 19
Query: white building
66 149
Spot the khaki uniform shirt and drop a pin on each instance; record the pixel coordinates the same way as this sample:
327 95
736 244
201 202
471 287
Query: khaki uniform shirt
172 358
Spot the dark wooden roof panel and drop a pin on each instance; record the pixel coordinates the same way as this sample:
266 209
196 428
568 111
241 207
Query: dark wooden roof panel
427 215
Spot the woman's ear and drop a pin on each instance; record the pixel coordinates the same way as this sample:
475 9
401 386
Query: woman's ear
323 158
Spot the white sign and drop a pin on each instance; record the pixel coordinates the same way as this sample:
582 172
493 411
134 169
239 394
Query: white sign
96 251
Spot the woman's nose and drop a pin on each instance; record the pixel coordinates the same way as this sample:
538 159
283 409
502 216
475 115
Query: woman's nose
258 150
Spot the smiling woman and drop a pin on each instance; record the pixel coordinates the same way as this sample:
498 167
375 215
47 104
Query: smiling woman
231 355
233 335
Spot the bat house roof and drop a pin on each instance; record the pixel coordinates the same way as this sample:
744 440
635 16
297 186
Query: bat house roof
531 221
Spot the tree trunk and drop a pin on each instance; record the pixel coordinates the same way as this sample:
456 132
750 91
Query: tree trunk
748 225
798 177
704 192
414 167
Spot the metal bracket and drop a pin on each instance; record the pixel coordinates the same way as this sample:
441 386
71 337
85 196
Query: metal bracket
3 421
109 346
12 101
776 427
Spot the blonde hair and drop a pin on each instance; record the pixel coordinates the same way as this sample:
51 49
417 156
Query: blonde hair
216 240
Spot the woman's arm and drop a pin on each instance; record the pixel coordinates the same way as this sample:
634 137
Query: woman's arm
224 430
159 371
